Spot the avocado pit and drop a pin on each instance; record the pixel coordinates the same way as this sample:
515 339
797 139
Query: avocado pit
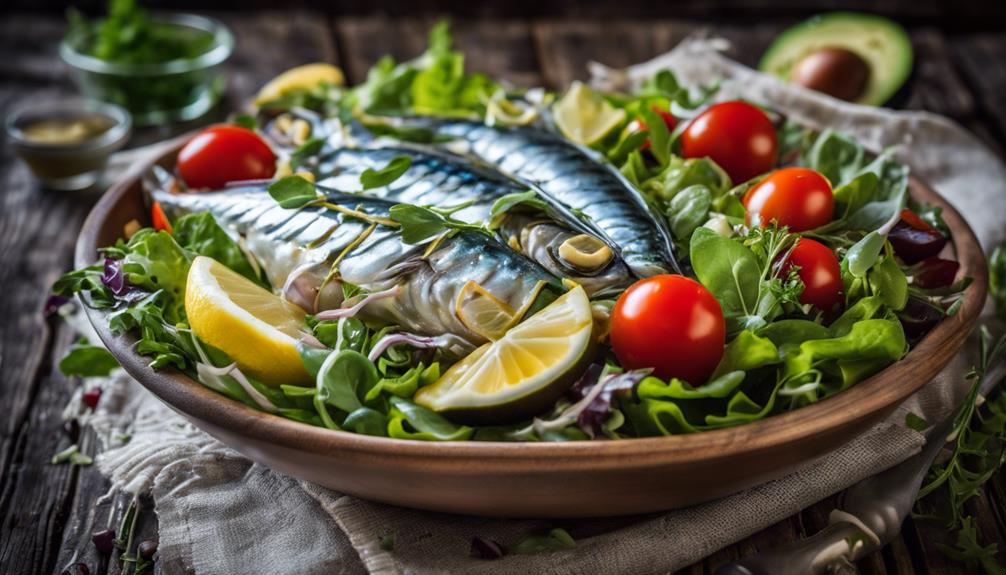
835 71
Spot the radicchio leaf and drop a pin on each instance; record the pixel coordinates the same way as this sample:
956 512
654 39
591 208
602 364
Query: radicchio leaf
595 413
113 278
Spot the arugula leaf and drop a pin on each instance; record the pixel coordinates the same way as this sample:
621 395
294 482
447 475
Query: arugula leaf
836 156
293 192
660 136
85 360
347 379
397 166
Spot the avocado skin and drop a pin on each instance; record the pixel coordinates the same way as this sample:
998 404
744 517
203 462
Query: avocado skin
896 71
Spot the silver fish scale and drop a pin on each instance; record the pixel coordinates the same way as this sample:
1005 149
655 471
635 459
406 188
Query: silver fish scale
429 286
444 180
570 176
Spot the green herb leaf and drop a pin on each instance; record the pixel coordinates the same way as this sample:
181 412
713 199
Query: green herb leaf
305 151
510 201
556 539
293 192
420 224
246 121
915 422
688 210
398 165
85 360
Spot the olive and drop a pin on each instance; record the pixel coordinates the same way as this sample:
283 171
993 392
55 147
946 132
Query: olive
147 549
835 71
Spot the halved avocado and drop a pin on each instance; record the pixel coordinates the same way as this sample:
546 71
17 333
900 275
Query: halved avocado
882 44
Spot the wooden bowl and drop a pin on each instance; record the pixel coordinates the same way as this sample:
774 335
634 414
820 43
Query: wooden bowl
575 479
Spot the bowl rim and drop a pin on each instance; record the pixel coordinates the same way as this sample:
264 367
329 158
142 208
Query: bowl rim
222 49
193 399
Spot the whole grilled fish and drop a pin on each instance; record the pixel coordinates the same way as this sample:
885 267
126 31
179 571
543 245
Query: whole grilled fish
308 252
573 177
555 238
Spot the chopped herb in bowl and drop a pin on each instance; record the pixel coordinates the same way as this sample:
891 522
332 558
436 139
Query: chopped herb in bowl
160 67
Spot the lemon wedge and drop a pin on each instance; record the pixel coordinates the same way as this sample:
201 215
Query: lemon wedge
256 328
523 372
586 117
304 77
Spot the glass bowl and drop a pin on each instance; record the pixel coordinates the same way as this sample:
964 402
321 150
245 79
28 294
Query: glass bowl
181 89
67 165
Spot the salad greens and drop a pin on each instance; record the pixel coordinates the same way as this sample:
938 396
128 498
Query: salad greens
128 35
781 354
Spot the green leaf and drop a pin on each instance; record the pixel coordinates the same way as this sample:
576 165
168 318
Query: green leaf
688 210
305 151
915 422
85 360
836 156
728 269
347 379
419 224
889 282
411 421
246 121
660 137
154 261
367 421
509 202
747 352
997 280
397 166
865 253
200 233
556 539
293 192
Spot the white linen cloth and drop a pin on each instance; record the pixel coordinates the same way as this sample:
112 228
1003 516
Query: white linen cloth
220 513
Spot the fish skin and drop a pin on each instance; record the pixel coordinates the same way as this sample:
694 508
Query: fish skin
444 180
572 176
280 240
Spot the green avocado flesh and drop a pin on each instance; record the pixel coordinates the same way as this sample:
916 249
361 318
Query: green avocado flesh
882 43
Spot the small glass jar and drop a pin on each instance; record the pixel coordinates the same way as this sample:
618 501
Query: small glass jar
66 142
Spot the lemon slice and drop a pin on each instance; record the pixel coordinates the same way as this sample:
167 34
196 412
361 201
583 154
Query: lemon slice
586 117
306 77
522 373
256 328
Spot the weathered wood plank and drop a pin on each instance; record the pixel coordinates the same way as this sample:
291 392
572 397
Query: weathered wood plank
979 58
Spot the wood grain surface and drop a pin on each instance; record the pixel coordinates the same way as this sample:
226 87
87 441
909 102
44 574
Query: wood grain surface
47 512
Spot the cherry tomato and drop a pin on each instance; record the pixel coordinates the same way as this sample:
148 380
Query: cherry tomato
798 198
669 120
221 154
820 273
671 324
160 221
737 136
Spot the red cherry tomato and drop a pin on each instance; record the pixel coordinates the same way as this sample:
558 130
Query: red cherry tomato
820 273
160 221
737 136
669 120
671 324
798 198
221 154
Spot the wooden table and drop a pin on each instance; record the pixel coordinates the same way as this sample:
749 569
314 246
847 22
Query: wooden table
46 510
